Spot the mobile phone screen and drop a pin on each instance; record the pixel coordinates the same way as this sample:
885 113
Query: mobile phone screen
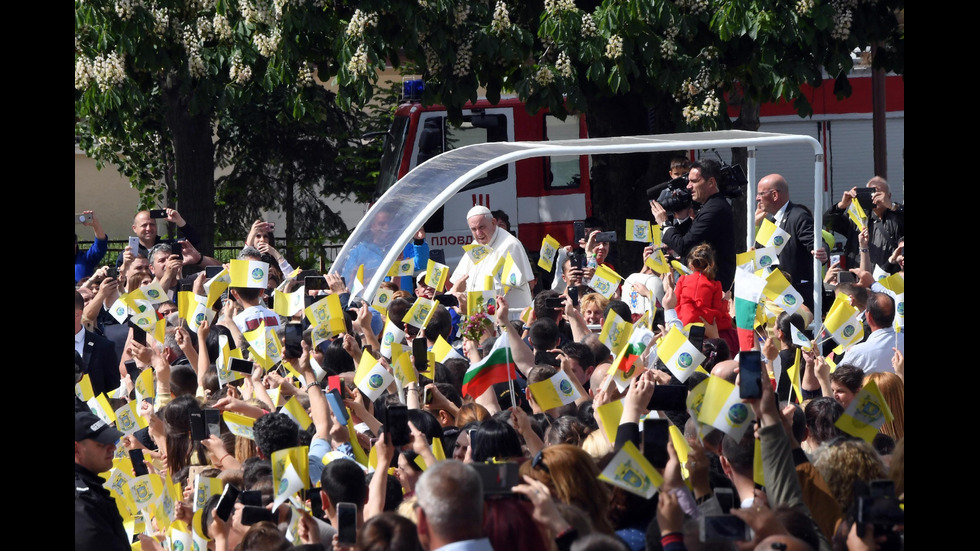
750 374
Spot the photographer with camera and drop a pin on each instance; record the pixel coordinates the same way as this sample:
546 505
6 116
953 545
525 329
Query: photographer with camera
886 223
714 223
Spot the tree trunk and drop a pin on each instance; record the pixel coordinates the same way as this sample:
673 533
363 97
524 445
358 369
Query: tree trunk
194 159
748 119
290 209
619 182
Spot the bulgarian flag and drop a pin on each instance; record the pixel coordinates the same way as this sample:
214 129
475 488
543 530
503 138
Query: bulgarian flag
748 291
497 367
639 339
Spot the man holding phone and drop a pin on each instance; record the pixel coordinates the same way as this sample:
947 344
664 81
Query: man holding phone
886 224
97 521
145 228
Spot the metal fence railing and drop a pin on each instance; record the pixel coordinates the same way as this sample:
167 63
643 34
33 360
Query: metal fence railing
304 253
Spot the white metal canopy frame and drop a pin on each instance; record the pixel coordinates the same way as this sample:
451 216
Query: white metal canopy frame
380 237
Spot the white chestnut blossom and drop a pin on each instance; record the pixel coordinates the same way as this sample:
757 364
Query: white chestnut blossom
304 77
108 70
125 8
614 48
461 12
222 27
267 44
588 26
358 64
239 72
501 18
83 73
359 22
564 65
161 20
694 6
803 7
555 7
464 56
544 76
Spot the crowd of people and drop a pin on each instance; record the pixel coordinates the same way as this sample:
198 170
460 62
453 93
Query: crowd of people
489 409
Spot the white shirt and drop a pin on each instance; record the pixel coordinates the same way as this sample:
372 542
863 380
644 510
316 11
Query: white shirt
80 341
780 214
502 242
875 354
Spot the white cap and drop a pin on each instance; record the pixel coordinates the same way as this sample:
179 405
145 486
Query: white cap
478 210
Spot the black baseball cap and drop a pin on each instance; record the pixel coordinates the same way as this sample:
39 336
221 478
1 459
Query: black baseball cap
88 425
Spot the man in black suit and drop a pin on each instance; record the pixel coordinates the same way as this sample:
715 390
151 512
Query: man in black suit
714 224
98 354
796 256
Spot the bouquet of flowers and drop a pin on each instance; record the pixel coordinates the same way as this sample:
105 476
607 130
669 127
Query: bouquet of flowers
479 323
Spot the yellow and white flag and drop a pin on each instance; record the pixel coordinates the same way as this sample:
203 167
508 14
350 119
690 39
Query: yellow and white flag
83 389
756 259
605 281
477 252
554 392
204 488
195 311
657 261
842 322
253 274
401 366
371 377
239 425
100 407
681 357
549 251
401 268
215 286
289 304
290 472
328 312
722 408
119 310
615 333
295 411
610 414
630 471
794 372
144 386
357 285
899 323
779 290
894 283
866 413
145 491
771 235
799 338
382 298
265 345
128 419
154 292
436 275
144 316
390 336
180 537
444 351
857 215
510 274
420 313
477 301
638 230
